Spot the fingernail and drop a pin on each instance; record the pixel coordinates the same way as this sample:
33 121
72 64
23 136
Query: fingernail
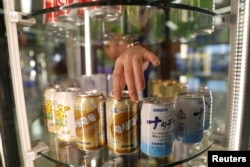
134 98
117 95
157 62
140 94
140 86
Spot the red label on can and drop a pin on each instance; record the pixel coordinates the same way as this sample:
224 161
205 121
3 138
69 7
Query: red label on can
64 2
50 17
80 11
48 4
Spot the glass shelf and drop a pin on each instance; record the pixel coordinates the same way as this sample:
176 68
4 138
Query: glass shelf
67 154
154 3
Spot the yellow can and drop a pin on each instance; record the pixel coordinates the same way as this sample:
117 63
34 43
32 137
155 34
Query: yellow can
155 88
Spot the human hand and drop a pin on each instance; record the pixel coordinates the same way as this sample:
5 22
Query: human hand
129 68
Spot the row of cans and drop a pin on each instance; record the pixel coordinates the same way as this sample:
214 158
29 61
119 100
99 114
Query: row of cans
165 88
53 19
75 15
75 116
193 115
184 118
92 121
83 117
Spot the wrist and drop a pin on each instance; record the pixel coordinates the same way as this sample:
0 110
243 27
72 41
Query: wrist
132 44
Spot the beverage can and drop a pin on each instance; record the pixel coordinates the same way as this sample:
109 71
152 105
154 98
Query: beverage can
50 18
122 117
72 15
189 109
157 126
90 120
65 119
155 88
208 106
48 108
105 13
168 88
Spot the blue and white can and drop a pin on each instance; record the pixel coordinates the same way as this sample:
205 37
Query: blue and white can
189 120
157 126
208 106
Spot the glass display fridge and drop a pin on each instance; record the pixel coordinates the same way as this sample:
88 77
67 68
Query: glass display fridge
50 47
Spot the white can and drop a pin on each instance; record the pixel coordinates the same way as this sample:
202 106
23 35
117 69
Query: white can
65 118
189 122
48 108
157 126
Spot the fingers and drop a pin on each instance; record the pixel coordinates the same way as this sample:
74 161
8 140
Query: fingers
118 81
129 69
130 81
138 74
148 56
130 75
125 75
